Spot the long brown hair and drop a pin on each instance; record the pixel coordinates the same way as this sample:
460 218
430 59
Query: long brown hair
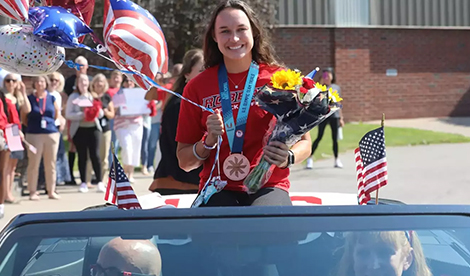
190 59
262 51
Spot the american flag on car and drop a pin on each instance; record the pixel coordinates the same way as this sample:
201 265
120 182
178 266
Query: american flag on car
371 164
119 190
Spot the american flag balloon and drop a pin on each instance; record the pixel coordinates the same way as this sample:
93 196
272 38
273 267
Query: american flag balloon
15 9
134 39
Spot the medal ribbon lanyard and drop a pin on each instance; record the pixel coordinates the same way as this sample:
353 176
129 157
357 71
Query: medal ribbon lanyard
236 132
43 109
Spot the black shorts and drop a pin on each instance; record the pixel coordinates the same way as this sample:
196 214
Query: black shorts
264 197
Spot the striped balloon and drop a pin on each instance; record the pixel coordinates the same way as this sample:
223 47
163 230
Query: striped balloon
135 40
15 9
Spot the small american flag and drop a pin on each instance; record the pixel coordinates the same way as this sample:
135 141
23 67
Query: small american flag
135 39
371 164
119 190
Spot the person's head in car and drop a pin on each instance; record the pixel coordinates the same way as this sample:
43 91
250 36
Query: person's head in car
386 253
128 257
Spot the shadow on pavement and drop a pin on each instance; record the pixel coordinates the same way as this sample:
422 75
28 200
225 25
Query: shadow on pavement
459 121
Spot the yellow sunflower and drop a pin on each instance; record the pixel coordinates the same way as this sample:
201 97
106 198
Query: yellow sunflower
286 80
333 96
321 87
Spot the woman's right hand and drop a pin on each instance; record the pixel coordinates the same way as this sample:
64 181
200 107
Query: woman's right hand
21 88
215 127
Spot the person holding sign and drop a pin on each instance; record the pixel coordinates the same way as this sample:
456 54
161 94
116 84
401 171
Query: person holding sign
8 118
15 92
238 59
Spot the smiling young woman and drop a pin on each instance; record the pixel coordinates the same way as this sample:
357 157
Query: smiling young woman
238 56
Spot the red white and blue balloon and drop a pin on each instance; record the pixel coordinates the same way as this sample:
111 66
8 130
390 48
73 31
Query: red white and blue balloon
15 9
24 53
135 39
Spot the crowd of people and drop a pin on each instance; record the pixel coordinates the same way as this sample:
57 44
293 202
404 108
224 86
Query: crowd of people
56 126
59 127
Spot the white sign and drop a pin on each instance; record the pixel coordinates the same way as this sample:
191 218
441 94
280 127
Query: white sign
135 102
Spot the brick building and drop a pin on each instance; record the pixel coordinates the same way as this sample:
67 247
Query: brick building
404 58
424 45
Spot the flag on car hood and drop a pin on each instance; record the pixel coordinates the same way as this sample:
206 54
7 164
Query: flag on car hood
371 164
119 190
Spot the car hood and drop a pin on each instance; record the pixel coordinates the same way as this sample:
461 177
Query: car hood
155 200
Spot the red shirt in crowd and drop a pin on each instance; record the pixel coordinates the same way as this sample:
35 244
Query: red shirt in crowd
13 114
204 90
112 91
162 94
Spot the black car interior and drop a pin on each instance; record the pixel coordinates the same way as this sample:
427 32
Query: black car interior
309 254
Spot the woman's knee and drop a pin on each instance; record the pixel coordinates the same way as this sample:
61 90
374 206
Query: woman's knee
271 196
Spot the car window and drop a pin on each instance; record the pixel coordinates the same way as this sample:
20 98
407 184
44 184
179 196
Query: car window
246 247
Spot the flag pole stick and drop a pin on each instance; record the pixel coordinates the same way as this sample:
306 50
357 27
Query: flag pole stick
377 191
114 163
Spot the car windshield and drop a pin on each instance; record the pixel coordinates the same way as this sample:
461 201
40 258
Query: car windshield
275 246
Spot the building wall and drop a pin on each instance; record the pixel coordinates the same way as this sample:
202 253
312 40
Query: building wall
433 68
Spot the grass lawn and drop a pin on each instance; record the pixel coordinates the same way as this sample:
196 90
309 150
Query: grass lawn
352 134
394 136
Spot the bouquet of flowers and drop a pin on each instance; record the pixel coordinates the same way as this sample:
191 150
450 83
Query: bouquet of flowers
299 105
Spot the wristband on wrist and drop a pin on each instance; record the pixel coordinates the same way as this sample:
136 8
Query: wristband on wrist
197 155
206 146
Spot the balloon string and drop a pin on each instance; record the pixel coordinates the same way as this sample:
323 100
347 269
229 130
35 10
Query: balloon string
77 66
209 180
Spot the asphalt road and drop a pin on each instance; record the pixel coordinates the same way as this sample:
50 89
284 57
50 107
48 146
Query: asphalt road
434 174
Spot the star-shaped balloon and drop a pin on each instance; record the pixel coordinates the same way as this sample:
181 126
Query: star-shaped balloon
83 9
58 26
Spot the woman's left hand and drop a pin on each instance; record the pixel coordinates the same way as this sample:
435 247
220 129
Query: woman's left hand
341 122
276 153
62 123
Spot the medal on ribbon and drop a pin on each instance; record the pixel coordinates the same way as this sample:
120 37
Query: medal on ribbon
236 166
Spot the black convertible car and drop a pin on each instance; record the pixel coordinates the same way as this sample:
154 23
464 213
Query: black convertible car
272 241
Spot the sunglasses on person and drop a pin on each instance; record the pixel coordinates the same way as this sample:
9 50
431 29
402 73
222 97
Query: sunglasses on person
54 80
98 270
10 80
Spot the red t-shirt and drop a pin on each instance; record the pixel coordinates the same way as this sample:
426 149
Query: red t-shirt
162 94
3 117
13 113
112 91
204 90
